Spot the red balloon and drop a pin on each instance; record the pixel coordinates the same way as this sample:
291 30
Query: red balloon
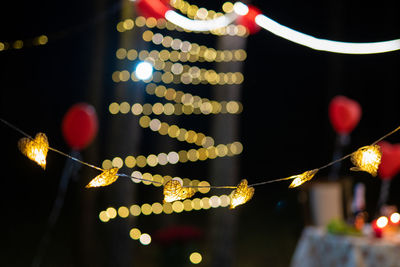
248 20
390 162
344 114
152 8
79 125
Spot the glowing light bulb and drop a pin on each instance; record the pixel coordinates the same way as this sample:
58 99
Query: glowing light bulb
382 221
367 159
395 217
107 177
241 194
240 8
35 149
173 190
195 258
144 70
302 178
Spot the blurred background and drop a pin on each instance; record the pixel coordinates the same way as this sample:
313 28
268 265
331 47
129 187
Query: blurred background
284 129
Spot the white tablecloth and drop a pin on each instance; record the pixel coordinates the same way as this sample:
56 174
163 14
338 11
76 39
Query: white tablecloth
317 248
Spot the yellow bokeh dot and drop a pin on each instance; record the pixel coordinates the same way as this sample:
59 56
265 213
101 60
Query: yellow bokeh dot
103 216
128 24
146 209
183 156
113 108
195 258
123 212
225 200
167 208
120 26
152 160
130 161
212 152
111 212
135 210
204 187
124 107
144 121
115 77
177 206
148 177
197 204
147 36
187 205
107 164
206 203
121 53
132 54
124 75
193 155
222 150
158 180
2 46
141 161
163 128
117 162
140 21
42 39
203 153
157 208
135 233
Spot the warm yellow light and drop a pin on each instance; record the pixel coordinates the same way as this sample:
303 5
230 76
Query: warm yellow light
107 177
241 194
173 191
195 258
103 216
302 178
111 212
123 212
382 221
35 149
367 159
135 233
395 217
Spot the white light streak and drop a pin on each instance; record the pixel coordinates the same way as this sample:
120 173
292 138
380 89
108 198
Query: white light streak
323 44
199 25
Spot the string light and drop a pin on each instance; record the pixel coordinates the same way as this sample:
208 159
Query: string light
195 258
192 51
106 178
174 190
157 208
140 21
193 76
367 159
35 149
174 157
241 194
302 178
197 107
18 44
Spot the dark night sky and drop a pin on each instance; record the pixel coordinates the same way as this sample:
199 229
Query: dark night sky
285 128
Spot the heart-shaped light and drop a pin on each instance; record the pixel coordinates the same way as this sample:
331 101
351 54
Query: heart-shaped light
105 178
241 194
367 159
302 178
390 163
344 114
35 149
173 190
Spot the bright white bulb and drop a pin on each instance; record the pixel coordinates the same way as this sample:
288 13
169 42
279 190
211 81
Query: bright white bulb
144 70
240 8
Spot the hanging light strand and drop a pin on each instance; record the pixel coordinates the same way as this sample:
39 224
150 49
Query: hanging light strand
366 158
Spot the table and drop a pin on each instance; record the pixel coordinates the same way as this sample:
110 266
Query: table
317 248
